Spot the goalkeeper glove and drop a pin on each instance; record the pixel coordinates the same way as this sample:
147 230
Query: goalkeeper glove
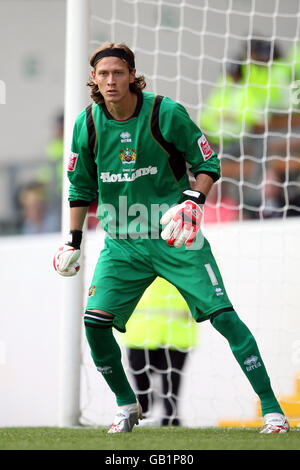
183 220
65 260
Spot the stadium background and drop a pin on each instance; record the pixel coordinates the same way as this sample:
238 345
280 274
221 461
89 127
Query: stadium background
262 275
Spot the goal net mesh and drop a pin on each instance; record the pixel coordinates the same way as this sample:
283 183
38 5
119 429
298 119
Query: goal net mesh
235 66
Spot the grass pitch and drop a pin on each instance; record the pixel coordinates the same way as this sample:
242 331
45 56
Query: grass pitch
171 438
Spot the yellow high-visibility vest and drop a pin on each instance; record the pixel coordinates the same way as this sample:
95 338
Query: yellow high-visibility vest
269 84
228 112
233 108
161 319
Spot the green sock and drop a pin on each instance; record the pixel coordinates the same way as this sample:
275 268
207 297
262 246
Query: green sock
106 355
246 352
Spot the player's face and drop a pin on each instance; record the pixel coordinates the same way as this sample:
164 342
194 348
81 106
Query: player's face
113 78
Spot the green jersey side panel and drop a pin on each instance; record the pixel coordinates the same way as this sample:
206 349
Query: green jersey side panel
82 171
177 127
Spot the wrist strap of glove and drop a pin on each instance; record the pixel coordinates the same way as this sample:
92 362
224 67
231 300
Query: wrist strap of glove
75 238
195 196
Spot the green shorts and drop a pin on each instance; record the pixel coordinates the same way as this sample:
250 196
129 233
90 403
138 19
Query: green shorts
126 267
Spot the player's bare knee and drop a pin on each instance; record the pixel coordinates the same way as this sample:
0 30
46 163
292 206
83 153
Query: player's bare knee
102 312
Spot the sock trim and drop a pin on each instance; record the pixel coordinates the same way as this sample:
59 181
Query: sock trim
97 320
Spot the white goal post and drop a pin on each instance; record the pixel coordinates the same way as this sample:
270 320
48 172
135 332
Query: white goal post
76 67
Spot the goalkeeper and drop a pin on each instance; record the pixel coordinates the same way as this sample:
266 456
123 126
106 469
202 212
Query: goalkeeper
132 148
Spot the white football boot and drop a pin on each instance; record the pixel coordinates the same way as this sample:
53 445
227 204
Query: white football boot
275 423
126 418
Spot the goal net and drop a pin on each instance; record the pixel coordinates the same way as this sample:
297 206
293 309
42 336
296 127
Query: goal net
235 66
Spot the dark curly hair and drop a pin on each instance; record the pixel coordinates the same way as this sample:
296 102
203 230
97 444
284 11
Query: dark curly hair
138 84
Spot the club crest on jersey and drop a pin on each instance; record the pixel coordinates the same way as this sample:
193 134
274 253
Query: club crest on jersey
128 156
204 147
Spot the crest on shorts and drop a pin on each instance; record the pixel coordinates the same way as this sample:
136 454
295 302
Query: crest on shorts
91 291
128 156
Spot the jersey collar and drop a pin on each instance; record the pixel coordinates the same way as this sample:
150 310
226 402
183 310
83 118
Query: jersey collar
136 111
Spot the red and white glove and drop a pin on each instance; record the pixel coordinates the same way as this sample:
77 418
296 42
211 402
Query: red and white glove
65 260
183 220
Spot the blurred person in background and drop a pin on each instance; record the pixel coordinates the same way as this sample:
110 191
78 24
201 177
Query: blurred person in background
227 118
159 336
237 115
35 214
294 61
273 200
220 205
225 115
55 147
52 173
267 77
284 147
278 199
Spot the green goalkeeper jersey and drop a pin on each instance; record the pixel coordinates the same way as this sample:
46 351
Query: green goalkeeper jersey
138 167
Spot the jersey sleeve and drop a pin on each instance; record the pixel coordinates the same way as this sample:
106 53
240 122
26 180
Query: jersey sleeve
178 128
82 169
